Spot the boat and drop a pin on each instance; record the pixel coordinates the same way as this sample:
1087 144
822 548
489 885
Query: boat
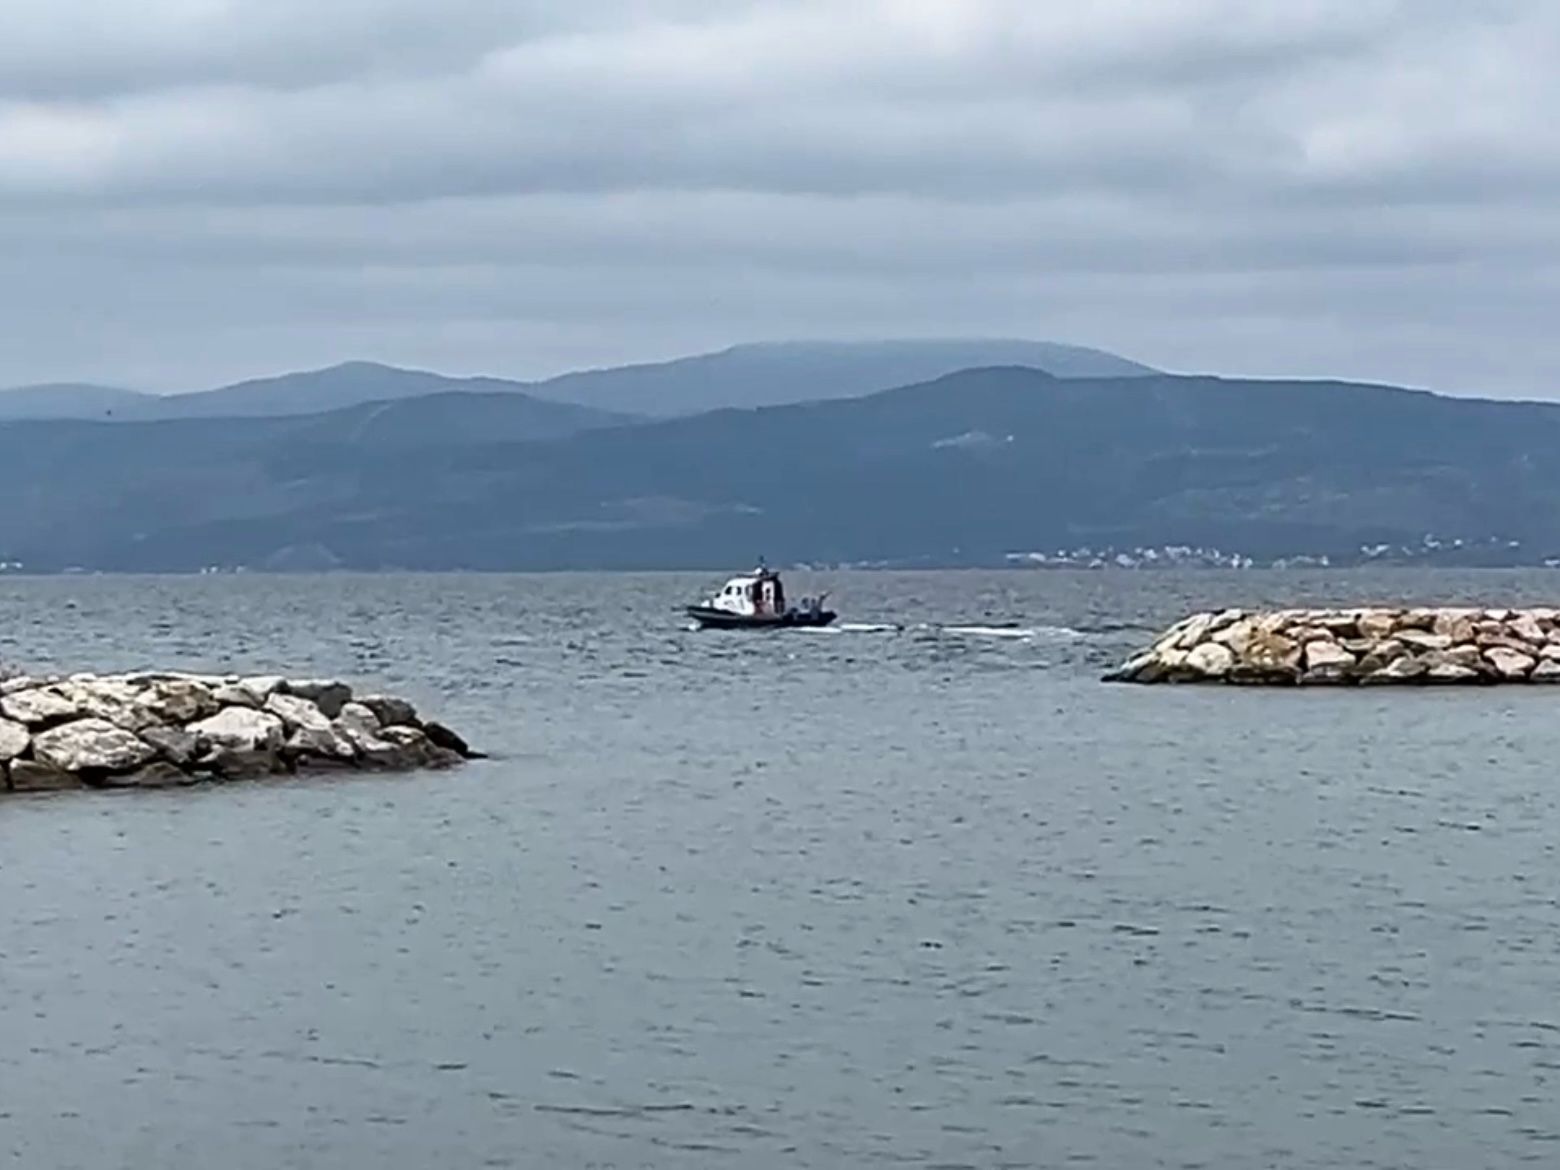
756 601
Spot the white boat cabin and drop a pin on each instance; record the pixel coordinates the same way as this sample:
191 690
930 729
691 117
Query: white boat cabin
756 594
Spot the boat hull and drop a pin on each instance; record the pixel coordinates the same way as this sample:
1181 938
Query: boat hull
710 618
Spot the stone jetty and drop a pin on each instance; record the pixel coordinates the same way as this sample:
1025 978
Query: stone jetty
154 730
1347 647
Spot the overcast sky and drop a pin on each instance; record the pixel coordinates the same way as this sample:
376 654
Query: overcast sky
193 191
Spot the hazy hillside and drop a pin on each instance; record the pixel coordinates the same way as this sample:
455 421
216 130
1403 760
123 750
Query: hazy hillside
72 400
957 471
746 375
802 371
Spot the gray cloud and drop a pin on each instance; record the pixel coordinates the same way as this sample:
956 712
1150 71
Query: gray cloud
192 190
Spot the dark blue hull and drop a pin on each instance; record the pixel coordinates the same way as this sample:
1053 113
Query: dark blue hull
710 618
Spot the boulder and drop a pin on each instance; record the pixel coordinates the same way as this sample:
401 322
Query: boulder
1328 676
1404 669
391 711
296 713
1210 660
1509 664
1466 656
37 776
1237 636
1326 655
328 695
1416 639
1455 625
262 686
1166 664
442 737
1505 641
177 745
1135 669
1339 625
374 751
113 701
39 707
1451 672
91 745
240 742
1269 657
233 694
354 717
329 744
14 739
157 774
400 749
1376 624
1193 630
1547 671
1526 627
177 700
418 749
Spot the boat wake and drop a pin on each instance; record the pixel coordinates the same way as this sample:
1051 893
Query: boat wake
934 629
1021 632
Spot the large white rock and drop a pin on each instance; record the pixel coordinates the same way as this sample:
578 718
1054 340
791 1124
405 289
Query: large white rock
1211 660
39 706
1526 627
240 741
296 713
309 733
91 744
354 717
1509 664
112 700
14 738
1325 654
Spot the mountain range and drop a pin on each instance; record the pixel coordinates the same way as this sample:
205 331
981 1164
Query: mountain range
744 375
962 469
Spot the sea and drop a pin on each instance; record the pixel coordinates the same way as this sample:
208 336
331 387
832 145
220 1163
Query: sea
916 891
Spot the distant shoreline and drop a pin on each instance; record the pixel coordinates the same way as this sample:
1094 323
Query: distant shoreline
689 570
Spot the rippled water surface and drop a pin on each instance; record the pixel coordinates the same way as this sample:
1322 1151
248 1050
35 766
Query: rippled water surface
916 892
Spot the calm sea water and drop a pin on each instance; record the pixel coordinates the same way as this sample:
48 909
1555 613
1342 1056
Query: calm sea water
922 896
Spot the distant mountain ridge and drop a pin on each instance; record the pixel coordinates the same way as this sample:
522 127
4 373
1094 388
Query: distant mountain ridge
744 375
963 470
779 373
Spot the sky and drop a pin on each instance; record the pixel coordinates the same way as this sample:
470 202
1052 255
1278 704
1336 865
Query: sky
195 191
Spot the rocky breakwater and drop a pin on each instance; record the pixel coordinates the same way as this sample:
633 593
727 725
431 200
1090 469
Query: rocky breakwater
1345 647
161 729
